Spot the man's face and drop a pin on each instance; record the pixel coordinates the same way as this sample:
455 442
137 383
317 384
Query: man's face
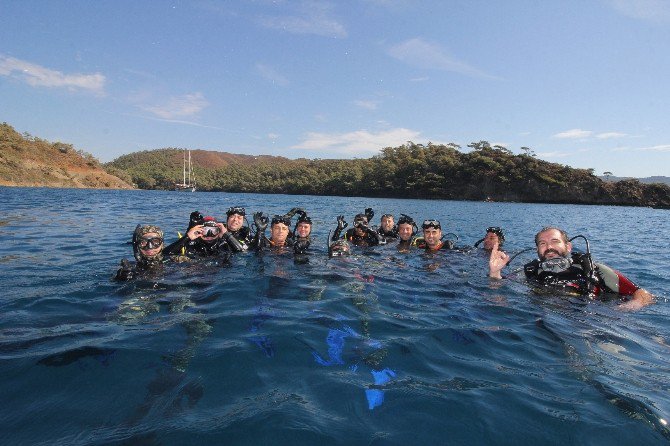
387 223
235 222
150 244
359 224
432 236
550 244
491 240
278 232
303 229
405 231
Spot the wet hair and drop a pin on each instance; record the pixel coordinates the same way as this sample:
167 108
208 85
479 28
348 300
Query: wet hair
564 235
236 210
499 232
281 219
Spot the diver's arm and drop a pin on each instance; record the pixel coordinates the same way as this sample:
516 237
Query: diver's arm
175 248
497 262
234 244
639 299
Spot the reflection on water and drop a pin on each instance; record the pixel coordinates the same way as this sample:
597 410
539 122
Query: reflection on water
383 347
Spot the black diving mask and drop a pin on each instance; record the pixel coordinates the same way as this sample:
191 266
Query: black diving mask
556 265
150 242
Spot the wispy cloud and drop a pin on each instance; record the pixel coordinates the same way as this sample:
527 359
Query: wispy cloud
310 17
272 75
360 142
369 105
573 134
550 155
39 76
659 148
610 135
178 106
651 10
423 54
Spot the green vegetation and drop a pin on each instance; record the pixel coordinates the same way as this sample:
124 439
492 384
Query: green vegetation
409 171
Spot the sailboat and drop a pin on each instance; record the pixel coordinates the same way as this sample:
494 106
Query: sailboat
186 186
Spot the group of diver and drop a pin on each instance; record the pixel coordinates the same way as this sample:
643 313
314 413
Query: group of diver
556 266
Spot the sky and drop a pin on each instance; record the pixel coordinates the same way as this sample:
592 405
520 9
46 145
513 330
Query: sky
584 83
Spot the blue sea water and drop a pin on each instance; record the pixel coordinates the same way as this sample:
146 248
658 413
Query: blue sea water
382 348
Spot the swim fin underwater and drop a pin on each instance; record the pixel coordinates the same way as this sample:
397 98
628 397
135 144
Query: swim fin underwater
336 342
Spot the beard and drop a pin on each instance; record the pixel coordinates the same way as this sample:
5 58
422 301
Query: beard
543 257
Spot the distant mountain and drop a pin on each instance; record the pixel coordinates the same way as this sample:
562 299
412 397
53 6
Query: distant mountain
30 161
647 180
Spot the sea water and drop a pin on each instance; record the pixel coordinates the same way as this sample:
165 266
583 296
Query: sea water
381 348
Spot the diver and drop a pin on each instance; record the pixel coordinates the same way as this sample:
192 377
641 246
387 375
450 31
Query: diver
494 235
280 232
338 248
302 233
148 250
432 237
407 230
361 234
203 239
387 228
558 267
234 234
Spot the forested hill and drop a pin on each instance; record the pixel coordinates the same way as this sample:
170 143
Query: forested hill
409 171
26 160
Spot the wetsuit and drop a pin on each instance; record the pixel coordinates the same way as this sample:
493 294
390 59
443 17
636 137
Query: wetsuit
370 238
237 241
421 243
576 278
133 270
388 236
196 248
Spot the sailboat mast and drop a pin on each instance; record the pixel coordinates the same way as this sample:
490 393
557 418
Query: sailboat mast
184 180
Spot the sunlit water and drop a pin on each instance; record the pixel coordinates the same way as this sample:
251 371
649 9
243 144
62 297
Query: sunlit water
381 348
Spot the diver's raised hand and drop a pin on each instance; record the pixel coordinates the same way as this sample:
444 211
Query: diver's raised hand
341 224
260 221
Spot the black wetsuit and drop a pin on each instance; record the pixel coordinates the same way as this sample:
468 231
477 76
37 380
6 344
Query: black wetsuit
370 238
237 241
576 278
388 236
444 245
196 248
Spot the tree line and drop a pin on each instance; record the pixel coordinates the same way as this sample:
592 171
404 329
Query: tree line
433 171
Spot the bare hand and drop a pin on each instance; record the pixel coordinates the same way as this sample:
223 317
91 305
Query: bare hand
497 262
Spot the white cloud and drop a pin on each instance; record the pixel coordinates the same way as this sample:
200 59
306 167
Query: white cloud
652 10
659 148
360 142
573 134
553 154
180 106
309 18
369 105
610 135
422 54
38 76
269 73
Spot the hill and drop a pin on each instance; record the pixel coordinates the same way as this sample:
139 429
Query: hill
646 180
162 168
30 161
490 173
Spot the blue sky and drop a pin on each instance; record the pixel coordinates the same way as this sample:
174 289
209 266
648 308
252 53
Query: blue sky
582 83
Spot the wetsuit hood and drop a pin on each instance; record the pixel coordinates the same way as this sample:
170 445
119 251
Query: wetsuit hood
139 232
